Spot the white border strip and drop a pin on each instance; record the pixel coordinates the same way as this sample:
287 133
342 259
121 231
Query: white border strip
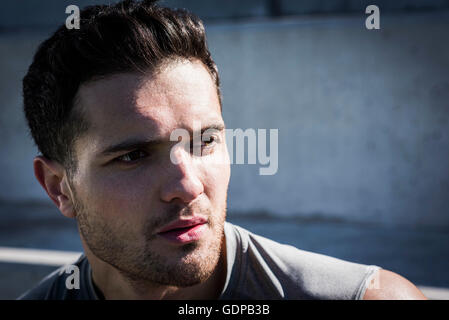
38 256
435 293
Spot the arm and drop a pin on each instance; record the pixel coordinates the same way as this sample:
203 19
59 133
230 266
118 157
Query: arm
387 285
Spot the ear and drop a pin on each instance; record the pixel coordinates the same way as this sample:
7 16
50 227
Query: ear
53 178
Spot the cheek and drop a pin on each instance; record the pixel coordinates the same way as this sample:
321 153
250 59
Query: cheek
216 183
124 194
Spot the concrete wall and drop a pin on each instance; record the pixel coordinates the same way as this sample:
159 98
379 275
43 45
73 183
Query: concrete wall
362 115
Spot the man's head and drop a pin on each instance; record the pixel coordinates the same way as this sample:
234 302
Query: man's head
101 104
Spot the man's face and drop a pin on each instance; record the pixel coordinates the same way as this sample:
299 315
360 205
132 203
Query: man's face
126 188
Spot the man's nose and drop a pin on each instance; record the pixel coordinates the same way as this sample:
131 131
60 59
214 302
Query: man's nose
182 180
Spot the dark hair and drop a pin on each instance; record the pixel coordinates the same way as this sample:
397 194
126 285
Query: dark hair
128 36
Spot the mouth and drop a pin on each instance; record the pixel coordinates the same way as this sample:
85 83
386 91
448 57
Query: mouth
184 231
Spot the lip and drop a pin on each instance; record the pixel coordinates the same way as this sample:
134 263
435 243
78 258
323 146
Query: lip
183 231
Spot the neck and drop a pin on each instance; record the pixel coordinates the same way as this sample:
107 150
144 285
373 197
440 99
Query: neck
114 285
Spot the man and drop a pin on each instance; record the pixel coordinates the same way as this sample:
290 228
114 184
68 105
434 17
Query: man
102 103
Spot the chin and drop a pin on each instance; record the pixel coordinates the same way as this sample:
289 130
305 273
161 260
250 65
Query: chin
193 264
188 272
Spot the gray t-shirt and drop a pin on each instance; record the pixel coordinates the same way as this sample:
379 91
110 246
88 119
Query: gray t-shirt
257 268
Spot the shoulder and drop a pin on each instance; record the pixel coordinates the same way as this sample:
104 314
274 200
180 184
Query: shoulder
387 285
43 289
55 285
300 274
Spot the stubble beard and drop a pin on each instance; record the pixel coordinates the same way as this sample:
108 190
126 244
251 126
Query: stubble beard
144 266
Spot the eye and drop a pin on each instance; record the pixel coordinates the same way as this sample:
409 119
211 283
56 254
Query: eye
132 156
206 144
207 141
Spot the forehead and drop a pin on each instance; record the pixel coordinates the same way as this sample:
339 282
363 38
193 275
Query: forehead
129 104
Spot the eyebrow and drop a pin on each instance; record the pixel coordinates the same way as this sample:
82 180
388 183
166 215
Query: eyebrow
137 143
